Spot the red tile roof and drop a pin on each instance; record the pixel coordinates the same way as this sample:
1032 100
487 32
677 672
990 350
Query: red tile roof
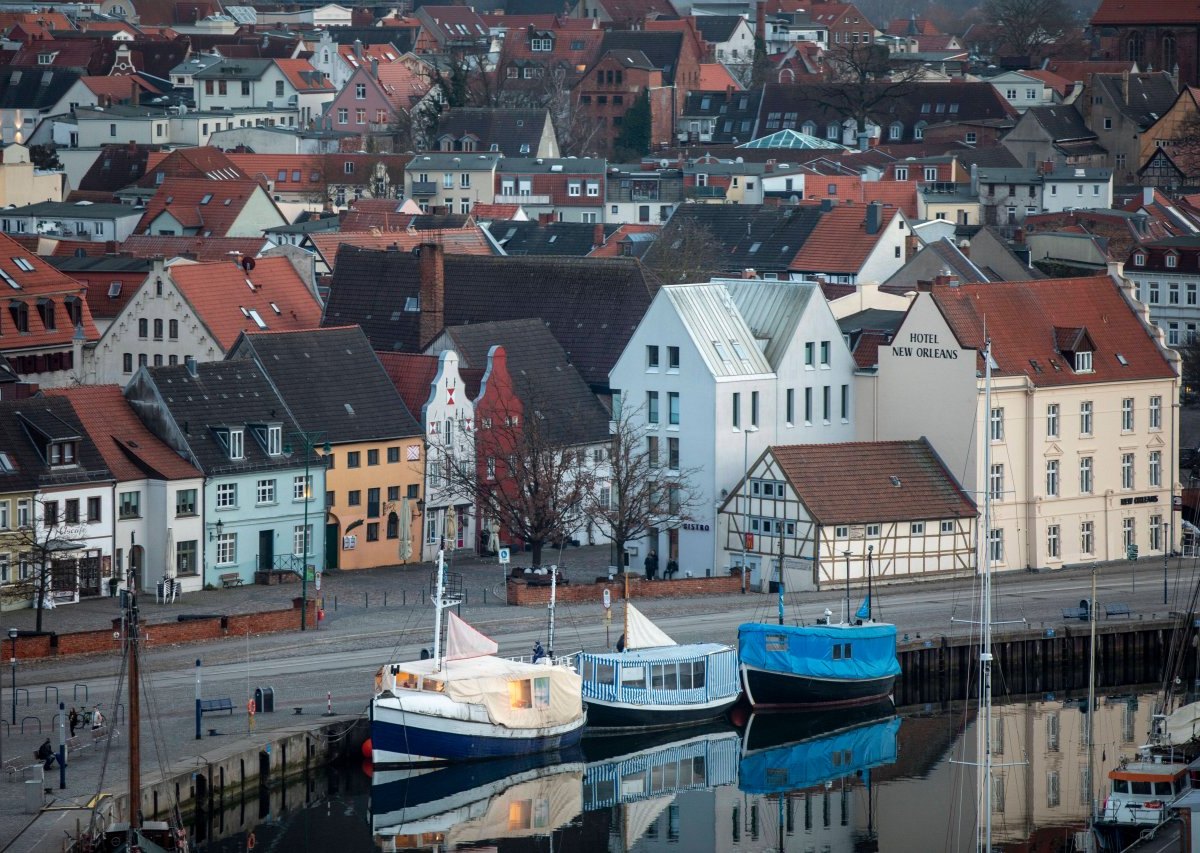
303 77
456 242
129 449
203 162
1078 71
866 348
197 248
496 212
210 206
226 304
119 88
1061 85
301 172
1022 317
403 85
852 483
613 248
411 373
715 77
31 286
840 243
899 194
384 52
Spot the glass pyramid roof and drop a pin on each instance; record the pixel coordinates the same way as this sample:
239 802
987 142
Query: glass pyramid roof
791 139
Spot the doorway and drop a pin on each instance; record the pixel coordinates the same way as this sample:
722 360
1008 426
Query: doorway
331 546
266 550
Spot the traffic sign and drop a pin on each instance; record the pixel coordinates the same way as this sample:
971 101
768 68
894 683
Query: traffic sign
504 555
1133 552
607 599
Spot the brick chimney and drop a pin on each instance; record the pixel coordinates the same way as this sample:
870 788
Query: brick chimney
598 235
760 20
1046 167
545 218
431 260
874 217
749 272
945 281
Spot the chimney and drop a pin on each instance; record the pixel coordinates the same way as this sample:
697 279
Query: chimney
924 286
598 235
545 218
945 281
433 292
1125 85
749 272
826 204
1047 167
135 94
133 148
874 217
358 49
189 362
760 21
375 68
1019 236
769 166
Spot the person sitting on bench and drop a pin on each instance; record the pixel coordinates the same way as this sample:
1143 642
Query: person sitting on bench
671 570
46 753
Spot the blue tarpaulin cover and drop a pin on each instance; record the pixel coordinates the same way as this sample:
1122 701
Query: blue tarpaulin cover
810 650
809 763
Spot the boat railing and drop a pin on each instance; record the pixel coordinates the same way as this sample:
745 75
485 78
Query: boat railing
568 660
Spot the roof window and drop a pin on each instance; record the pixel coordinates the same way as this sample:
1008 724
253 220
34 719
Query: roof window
23 264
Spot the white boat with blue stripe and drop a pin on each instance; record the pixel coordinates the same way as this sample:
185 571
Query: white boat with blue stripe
468 704
653 682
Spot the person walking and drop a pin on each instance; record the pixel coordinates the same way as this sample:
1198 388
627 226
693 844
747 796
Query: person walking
97 718
73 720
651 564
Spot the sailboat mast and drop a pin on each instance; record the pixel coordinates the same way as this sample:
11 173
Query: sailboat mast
553 594
985 649
781 579
133 640
625 613
1091 711
437 608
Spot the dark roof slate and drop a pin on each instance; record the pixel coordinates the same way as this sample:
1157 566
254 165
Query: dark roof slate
750 236
361 405
551 238
661 47
25 425
507 129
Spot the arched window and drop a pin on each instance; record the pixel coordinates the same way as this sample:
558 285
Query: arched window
896 131
1135 47
1168 52
919 131
393 526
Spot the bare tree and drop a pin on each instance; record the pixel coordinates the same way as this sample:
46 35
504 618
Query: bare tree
685 252
862 84
579 134
1028 26
645 490
522 474
40 545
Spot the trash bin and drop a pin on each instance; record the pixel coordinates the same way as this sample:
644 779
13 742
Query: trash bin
35 795
264 700
113 583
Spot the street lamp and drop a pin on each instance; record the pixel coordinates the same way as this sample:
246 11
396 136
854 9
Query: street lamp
309 440
746 489
12 635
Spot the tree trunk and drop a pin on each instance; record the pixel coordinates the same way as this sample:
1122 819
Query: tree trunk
41 596
537 552
619 545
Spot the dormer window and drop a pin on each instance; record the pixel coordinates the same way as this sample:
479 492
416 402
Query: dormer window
274 440
63 452
1139 259
1172 261
237 444
1076 346
1083 362
541 45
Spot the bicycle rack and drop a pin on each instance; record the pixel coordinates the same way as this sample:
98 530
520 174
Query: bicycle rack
35 719
75 694
119 713
46 693
21 690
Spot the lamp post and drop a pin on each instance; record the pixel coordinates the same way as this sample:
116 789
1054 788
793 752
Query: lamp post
12 635
847 554
1166 556
746 489
309 440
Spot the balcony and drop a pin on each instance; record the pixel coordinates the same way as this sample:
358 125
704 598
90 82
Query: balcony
425 188
522 198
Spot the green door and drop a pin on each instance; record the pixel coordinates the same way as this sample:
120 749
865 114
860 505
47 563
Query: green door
331 546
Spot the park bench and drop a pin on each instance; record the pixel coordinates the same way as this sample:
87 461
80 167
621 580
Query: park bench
1117 608
77 744
230 579
212 705
100 733
1075 613
14 767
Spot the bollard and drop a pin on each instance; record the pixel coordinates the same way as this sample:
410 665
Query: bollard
404 597
335 604
329 704
385 598
366 599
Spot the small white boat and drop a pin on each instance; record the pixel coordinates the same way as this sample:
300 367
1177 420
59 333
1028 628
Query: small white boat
469 704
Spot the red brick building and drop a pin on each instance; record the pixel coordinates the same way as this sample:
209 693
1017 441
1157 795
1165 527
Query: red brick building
1157 36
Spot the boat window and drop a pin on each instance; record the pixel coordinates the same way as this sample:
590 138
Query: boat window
662 677
698 673
519 694
1142 788
433 685
1120 786
841 651
633 676
520 814
1163 789
776 642
685 676
605 673
541 692
407 680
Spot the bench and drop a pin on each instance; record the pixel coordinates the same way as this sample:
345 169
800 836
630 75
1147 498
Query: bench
100 733
16 766
77 744
1117 608
230 579
1075 613
213 705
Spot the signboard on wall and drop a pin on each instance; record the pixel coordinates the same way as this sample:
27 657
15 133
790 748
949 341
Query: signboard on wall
349 542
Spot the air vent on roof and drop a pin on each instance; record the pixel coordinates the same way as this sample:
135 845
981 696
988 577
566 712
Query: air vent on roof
895 480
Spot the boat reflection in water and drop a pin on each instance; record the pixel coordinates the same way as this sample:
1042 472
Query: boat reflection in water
445 808
814 763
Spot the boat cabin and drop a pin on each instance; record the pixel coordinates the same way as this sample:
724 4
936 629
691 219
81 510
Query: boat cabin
672 675
1140 791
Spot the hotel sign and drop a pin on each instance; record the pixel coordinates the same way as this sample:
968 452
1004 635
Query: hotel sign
923 345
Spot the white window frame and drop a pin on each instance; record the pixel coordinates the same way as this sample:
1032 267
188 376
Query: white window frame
274 440
225 553
299 492
237 443
226 496
264 492
1052 481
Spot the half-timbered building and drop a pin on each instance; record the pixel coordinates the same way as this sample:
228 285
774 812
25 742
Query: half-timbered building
832 512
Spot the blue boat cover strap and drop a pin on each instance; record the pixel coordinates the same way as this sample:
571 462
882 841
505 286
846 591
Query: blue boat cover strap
849 652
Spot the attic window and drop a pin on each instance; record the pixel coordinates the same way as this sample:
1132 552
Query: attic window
6 466
206 199
754 247
1124 361
245 313
250 285
1172 261
739 350
349 408
275 308
114 289
8 278
720 348
1139 259
258 321
23 264
228 201
412 305
1083 362
237 447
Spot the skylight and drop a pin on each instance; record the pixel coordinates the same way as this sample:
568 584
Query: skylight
114 289
6 466
739 350
720 348
206 199
23 264
275 308
1121 358
258 321
8 278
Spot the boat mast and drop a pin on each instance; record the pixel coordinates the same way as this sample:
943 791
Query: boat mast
625 612
985 646
1091 710
781 579
438 604
132 640
553 591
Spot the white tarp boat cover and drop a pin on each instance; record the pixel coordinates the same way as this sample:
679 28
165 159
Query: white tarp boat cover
641 633
639 815
527 809
1183 724
463 641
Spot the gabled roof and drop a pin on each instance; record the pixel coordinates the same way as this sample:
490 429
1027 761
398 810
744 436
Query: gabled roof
634 11
1062 122
467 241
403 84
1151 95
229 300
1021 318
591 305
1134 13
718 28
212 207
388 215
410 373
772 310
110 280
855 482
715 77
195 162
197 248
362 405
551 238
63 53
23 445
303 77
661 48
29 88
1061 85
514 132
128 448
223 394
117 167
547 383
29 278
840 242
717 328
750 236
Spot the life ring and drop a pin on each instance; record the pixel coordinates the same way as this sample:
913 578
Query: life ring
1152 804
251 841
251 707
